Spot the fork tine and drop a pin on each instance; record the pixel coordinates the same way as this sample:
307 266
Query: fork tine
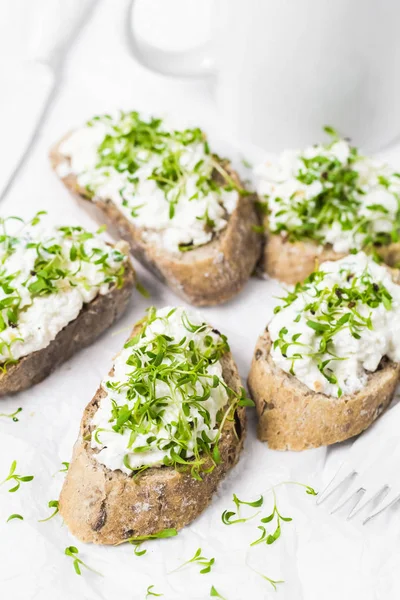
358 494
329 490
392 503
375 499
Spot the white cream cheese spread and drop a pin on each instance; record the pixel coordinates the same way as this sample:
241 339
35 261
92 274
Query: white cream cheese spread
332 195
47 273
166 399
163 180
334 329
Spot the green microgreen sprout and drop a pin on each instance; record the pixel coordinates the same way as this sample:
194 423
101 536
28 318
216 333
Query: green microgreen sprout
337 200
15 516
271 538
142 290
137 550
228 520
254 503
183 368
139 539
73 552
308 489
13 415
131 141
149 592
51 504
246 163
231 517
273 582
59 259
228 516
137 542
12 476
205 563
66 467
332 309
215 594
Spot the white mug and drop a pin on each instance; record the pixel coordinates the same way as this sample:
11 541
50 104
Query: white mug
286 68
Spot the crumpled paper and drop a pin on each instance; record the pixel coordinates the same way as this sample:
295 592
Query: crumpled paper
319 555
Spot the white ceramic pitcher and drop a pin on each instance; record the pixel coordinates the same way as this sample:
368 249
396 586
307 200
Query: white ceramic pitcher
286 68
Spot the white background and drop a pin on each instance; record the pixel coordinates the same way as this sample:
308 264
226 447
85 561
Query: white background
320 557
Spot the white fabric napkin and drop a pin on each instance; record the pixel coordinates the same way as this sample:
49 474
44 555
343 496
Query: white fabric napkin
33 38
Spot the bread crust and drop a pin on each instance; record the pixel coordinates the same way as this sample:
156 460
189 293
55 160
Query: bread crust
210 274
292 262
94 318
293 417
107 507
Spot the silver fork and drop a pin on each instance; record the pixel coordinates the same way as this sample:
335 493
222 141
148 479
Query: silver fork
368 481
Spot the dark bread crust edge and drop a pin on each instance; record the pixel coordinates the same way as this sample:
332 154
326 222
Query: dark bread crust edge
94 318
210 274
293 417
107 507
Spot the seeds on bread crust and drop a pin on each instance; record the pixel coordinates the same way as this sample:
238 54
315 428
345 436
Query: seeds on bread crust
292 417
182 469
328 362
180 207
53 278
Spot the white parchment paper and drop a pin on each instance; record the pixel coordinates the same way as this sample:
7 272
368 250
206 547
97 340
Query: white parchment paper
319 556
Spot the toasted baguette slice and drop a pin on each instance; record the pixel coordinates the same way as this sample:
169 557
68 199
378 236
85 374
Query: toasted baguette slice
108 507
292 262
208 275
293 417
94 318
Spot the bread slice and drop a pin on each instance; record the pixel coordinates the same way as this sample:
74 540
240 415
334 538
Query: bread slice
94 318
209 274
108 507
292 262
293 417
